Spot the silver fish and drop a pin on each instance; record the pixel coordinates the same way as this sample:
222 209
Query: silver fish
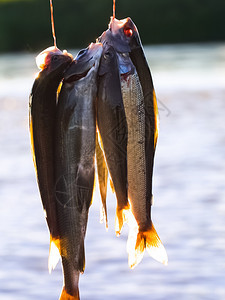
74 162
142 122
42 109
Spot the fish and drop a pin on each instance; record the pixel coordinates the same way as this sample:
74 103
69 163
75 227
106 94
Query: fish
102 171
75 138
42 108
112 126
141 112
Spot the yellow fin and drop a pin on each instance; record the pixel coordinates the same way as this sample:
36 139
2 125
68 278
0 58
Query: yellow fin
138 241
99 139
59 88
103 217
122 216
66 296
155 247
111 185
135 255
155 107
32 142
54 254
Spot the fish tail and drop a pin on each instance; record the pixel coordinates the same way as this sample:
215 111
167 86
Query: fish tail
67 296
54 253
71 274
122 216
138 241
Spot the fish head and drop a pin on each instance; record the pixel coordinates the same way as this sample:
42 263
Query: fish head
85 63
125 34
113 61
108 63
53 60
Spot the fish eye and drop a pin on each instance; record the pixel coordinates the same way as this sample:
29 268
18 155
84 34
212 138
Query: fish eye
82 52
128 31
54 58
107 55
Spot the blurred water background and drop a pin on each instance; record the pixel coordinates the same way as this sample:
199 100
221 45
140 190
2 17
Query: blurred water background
189 194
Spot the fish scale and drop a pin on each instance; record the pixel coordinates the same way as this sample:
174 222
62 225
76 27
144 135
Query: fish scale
135 115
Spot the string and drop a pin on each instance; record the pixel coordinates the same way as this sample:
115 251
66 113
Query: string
114 9
53 26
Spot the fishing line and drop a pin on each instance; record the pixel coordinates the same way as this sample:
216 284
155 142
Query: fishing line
114 9
53 26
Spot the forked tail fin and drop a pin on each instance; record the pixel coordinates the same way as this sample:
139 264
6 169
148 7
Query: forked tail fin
139 241
66 296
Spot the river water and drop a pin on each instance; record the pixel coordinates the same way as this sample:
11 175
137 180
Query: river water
189 193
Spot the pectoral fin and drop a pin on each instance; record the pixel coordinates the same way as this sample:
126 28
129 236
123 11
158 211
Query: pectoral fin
54 254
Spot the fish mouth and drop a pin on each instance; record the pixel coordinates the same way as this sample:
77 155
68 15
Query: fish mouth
116 24
69 55
77 77
85 62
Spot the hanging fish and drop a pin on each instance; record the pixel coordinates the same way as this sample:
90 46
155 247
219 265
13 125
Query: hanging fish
111 120
141 113
75 135
42 108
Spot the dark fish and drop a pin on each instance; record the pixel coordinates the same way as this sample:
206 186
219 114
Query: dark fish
75 136
142 119
42 108
111 120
